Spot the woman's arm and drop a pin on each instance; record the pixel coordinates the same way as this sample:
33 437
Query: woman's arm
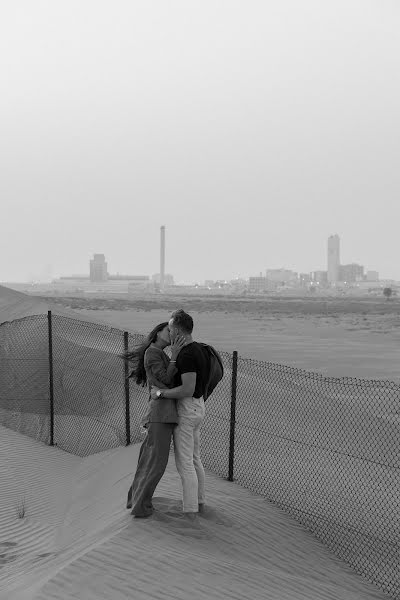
156 382
155 363
158 372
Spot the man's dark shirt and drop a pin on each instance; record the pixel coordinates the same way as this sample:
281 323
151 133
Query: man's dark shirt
193 359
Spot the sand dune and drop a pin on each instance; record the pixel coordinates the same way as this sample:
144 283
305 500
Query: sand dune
76 539
16 305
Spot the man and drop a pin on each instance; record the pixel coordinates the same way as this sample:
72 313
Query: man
191 380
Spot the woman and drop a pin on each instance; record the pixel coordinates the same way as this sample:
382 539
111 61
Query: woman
152 367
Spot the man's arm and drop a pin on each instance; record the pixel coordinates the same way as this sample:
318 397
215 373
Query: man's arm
186 390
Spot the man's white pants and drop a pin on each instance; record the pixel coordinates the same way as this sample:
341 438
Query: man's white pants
191 412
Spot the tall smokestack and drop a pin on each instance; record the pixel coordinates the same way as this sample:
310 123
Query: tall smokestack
162 258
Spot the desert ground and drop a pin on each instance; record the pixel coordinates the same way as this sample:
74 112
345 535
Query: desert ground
338 337
65 534
326 452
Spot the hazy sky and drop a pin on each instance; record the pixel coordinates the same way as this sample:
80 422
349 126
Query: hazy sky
251 129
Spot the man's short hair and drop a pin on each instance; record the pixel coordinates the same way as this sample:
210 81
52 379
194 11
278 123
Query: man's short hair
182 320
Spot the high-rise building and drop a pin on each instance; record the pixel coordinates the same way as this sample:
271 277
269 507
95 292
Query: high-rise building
98 268
162 258
351 273
333 259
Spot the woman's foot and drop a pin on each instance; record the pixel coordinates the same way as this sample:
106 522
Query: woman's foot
143 509
143 515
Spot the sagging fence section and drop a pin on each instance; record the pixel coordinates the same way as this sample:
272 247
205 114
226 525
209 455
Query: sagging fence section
326 450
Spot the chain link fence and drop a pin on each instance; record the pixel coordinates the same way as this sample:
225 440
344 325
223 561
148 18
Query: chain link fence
89 393
24 377
326 450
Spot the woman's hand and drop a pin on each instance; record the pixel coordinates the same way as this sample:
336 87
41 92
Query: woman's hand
177 346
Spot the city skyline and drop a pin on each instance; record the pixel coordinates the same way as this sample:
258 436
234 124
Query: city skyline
336 271
252 136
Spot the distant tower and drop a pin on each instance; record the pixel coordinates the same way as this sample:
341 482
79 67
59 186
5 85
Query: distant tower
162 258
98 268
333 259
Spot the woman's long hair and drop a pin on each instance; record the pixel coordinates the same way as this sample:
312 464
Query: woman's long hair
136 356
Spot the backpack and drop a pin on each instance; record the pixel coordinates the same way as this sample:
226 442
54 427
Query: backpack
216 369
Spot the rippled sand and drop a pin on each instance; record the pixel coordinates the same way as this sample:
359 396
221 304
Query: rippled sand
75 539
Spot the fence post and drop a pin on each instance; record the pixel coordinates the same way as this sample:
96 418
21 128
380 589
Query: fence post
51 380
233 415
127 406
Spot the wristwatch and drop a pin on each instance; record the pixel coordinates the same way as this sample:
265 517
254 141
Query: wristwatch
159 393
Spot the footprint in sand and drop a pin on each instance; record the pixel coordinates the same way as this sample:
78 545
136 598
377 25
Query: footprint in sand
6 558
43 555
8 544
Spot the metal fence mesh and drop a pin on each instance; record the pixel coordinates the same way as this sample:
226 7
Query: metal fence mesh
24 377
326 450
89 395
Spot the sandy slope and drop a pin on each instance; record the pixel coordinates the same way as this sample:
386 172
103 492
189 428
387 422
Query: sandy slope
16 305
78 541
